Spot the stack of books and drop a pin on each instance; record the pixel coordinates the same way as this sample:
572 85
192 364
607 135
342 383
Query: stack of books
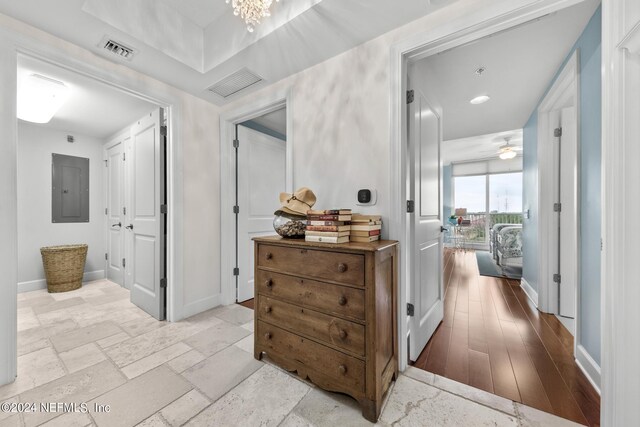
328 226
365 228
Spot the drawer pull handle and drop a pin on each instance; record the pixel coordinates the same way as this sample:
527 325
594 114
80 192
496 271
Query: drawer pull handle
269 255
267 336
342 369
342 301
342 267
268 283
343 334
268 309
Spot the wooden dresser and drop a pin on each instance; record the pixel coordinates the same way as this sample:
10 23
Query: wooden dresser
328 311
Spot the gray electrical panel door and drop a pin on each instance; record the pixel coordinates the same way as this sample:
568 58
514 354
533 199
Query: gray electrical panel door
70 189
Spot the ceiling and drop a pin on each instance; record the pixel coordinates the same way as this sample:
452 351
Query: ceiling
482 147
276 121
519 65
93 108
192 44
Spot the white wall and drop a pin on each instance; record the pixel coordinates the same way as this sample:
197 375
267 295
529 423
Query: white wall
36 143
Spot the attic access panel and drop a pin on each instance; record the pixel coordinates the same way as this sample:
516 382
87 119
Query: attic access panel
69 189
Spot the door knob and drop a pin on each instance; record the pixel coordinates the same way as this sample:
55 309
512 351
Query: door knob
443 229
129 227
117 225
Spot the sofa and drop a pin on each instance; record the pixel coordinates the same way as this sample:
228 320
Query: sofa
508 247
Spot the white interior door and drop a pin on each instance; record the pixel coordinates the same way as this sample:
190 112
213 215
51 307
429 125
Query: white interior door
261 179
426 291
568 259
145 220
114 204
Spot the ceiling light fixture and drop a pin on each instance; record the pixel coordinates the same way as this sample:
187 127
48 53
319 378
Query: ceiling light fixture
480 99
507 151
40 98
252 11
508 155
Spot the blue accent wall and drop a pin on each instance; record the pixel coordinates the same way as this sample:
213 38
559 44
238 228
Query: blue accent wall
447 195
589 44
263 129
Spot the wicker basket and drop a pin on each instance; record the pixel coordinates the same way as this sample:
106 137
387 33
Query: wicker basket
64 266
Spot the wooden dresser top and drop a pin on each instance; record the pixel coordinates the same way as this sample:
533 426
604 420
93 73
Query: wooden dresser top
351 246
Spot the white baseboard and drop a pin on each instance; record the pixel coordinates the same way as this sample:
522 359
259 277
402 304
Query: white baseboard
201 305
35 285
589 367
531 293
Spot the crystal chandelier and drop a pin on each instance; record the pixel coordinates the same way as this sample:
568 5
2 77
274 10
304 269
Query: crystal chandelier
251 11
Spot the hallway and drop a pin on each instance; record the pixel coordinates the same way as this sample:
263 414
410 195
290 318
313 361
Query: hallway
493 338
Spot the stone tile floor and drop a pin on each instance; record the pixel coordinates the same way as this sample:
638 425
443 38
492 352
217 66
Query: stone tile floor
93 346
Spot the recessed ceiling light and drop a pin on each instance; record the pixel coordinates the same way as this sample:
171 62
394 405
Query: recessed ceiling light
40 97
480 99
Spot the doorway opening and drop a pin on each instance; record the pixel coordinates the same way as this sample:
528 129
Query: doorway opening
489 332
257 168
115 202
261 155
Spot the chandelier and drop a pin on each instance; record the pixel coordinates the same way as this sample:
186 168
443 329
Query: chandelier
251 11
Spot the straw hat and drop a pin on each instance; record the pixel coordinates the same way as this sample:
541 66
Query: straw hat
297 203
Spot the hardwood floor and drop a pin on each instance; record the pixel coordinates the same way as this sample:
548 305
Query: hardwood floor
493 338
248 303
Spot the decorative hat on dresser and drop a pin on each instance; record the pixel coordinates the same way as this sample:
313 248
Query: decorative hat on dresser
297 203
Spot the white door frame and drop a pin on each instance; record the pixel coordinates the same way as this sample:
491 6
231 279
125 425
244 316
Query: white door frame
564 92
14 44
620 204
454 33
228 121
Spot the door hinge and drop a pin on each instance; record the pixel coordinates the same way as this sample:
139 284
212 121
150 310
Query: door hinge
411 310
124 156
557 132
411 206
163 209
163 130
106 163
106 256
236 271
163 282
557 207
236 209
236 143
557 278
124 262
106 211
124 211
410 96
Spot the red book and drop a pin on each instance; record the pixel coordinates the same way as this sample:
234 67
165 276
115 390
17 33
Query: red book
328 227
329 212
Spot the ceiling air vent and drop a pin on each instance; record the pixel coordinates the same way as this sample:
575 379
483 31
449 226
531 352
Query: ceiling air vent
117 48
234 83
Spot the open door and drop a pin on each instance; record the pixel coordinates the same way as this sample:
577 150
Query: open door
145 217
114 163
426 292
568 219
261 179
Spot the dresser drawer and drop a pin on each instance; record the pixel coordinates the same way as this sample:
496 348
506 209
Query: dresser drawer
335 266
345 371
325 297
340 333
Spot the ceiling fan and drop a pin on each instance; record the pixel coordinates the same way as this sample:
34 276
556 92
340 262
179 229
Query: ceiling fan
508 151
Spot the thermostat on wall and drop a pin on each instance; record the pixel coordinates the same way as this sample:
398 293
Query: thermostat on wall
367 197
